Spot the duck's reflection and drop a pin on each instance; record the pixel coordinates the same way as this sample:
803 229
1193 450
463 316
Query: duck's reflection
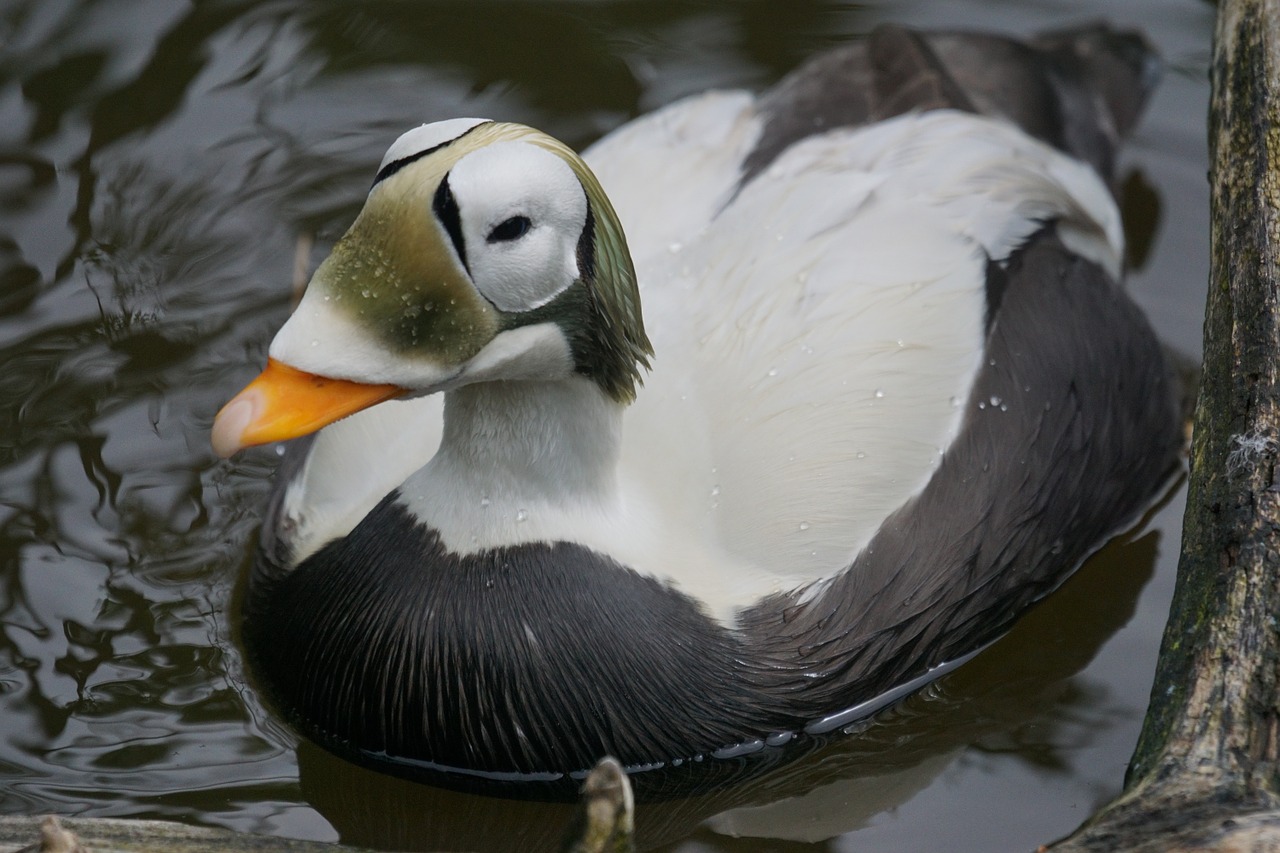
812 789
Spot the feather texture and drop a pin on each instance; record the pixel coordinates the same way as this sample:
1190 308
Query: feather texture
896 396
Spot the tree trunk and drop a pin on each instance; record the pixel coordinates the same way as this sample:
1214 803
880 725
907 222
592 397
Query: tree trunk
1205 775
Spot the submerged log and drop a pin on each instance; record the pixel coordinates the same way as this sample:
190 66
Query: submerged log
1206 772
110 835
605 824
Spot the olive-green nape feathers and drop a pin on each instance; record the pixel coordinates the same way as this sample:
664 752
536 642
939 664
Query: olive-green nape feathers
613 346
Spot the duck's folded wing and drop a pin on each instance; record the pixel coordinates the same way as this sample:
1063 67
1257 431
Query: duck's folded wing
1080 90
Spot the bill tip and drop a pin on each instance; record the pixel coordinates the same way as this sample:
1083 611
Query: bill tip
230 426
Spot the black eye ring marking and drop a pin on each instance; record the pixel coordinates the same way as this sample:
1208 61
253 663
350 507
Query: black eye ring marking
446 210
509 229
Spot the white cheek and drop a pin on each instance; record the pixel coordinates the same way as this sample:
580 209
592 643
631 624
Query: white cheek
527 273
529 352
319 339
510 179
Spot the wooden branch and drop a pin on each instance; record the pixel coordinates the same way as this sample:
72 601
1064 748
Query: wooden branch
109 835
606 819
605 824
1206 772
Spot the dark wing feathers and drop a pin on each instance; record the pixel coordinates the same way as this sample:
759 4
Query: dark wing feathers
1071 429
1079 90
908 75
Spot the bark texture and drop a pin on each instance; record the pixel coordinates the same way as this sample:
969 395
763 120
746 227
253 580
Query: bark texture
1206 772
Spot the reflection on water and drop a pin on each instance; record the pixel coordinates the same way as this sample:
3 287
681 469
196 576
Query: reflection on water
157 162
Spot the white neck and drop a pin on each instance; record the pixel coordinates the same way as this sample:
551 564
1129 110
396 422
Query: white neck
518 462
540 461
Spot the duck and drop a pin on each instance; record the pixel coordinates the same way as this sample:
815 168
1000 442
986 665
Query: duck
756 417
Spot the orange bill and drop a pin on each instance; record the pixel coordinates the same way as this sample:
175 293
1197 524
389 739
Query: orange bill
284 403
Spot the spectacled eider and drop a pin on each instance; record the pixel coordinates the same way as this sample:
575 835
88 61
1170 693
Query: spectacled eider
892 395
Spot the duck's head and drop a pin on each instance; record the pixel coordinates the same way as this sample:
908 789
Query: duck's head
485 251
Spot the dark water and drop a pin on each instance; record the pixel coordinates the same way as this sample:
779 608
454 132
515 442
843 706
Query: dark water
158 162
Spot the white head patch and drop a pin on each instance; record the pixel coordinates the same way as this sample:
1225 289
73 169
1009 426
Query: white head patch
427 136
522 212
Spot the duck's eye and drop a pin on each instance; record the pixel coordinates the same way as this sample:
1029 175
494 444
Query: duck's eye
509 229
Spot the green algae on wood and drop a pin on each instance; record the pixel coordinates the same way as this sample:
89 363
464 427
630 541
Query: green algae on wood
1206 771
